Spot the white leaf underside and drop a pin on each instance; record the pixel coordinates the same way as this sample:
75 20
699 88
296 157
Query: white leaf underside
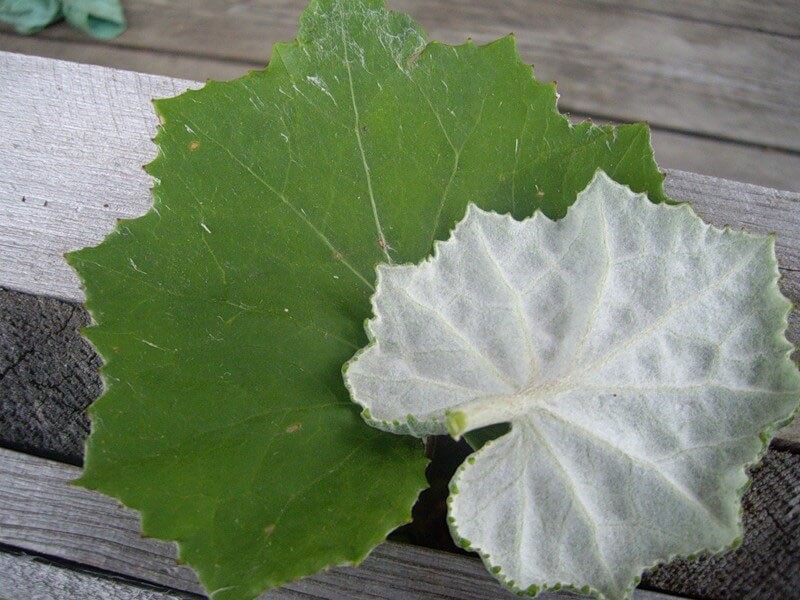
639 356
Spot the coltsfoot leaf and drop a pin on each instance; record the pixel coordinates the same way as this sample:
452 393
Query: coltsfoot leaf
224 314
639 357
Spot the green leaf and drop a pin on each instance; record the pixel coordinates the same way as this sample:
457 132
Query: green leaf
639 357
225 313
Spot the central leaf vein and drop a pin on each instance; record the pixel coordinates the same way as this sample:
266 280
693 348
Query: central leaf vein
384 245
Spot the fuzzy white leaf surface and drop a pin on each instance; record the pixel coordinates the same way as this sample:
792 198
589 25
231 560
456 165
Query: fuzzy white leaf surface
639 356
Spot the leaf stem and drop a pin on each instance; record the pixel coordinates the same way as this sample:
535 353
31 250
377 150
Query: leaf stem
489 410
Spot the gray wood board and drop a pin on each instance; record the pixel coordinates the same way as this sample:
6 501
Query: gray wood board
40 512
725 160
32 578
770 16
74 141
767 564
613 59
778 169
168 64
48 376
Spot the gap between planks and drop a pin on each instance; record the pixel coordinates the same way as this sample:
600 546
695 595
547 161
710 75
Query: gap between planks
35 578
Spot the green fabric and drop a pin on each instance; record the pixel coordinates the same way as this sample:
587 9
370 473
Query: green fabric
101 19
29 16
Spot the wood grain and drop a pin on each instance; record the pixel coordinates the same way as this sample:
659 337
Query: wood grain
768 16
31 578
40 512
767 564
614 59
766 166
70 163
48 376
727 160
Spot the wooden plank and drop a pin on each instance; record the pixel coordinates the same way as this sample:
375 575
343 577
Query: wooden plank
29 577
762 166
767 564
49 375
110 112
613 59
749 164
70 162
40 512
169 64
769 167
769 16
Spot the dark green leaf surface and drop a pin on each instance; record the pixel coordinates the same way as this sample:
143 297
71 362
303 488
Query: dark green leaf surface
226 312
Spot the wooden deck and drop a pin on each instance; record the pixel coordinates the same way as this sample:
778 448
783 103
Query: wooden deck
719 81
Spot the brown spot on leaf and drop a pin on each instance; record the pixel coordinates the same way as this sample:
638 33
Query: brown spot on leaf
194 145
294 427
268 530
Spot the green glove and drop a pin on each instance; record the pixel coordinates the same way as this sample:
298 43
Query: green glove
29 16
101 19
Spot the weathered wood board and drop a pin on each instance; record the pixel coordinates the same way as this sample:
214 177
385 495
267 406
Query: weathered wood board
32 578
40 512
49 375
769 16
716 80
673 69
777 169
